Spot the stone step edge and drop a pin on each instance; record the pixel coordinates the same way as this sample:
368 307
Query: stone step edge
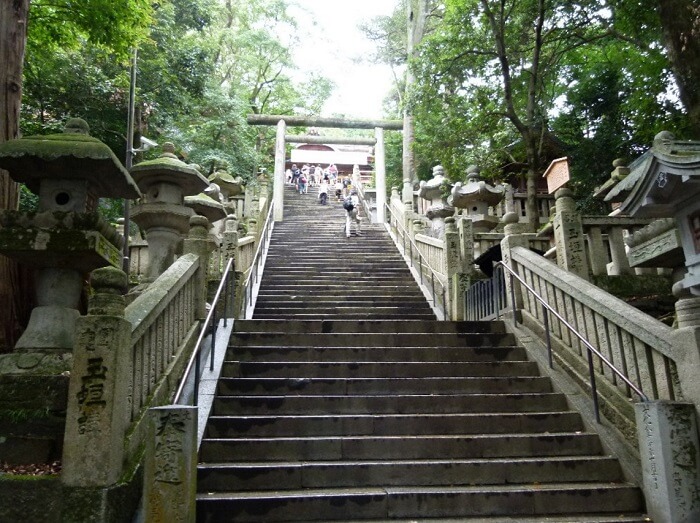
391 462
403 491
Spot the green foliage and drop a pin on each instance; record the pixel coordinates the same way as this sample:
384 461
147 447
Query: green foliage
67 24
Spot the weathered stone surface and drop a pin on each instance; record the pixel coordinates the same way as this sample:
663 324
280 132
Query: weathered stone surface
30 498
668 444
70 155
171 466
99 398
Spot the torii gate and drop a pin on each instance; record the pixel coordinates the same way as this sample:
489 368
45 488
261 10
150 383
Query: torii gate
283 121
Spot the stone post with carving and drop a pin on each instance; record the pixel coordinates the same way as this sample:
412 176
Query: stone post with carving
170 471
230 249
99 400
668 430
568 235
454 308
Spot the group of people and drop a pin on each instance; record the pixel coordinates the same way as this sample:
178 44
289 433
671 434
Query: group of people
327 180
310 176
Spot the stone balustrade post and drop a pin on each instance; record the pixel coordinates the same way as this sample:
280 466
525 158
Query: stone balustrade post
568 235
230 240
454 308
407 191
198 242
512 239
597 251
170 470
668 431
466 245
99 400
670 455
620 263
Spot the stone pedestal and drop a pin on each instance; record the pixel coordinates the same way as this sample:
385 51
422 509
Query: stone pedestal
670 453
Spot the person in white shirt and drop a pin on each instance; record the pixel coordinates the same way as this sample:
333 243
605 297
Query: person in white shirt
323 189
353 215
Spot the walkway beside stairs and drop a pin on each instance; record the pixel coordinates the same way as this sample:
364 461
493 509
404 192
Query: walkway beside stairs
344 399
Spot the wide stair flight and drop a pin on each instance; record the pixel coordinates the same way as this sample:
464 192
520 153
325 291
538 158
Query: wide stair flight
336 409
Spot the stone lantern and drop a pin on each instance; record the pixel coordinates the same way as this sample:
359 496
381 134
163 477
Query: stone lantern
65 238
475 197
206 206
161 212
435 190
230 187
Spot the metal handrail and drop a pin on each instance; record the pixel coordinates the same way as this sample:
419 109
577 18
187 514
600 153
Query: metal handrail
412 245
591 349
257 259
210 324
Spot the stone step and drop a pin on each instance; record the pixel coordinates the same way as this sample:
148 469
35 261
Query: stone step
354 386
337 301
372 447
556 518
364 354
248 476
305 370
416 403
376 312
370 326
392 424
275 314
485 340
420 502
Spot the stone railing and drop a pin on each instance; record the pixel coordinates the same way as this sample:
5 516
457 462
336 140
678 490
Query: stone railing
637 345
163 320
246 252
433 251
127 360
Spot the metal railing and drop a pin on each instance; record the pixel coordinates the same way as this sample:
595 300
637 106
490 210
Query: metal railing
486 299
219 310
258 262
408 248
590 349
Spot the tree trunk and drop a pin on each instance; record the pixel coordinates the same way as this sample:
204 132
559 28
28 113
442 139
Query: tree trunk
680 20
533 172
416 12
13 36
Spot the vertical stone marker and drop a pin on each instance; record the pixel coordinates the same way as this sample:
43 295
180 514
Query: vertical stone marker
568 227
171 465
668 444
99 398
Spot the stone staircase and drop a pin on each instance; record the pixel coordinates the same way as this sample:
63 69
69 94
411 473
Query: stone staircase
344 414
314 271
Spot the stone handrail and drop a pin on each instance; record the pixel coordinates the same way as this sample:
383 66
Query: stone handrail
246 252
164 329
636 344
433 250
433 277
